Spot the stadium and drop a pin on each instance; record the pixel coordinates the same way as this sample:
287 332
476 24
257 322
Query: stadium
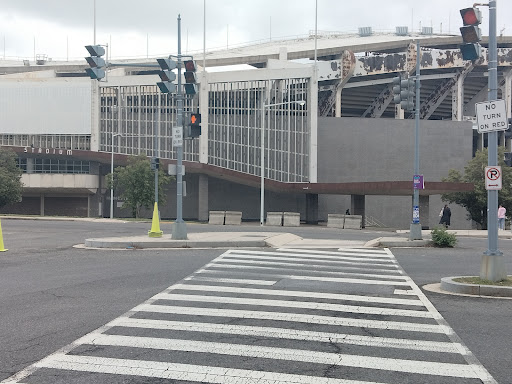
348 147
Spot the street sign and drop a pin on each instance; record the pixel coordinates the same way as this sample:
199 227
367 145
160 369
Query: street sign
491 116
493 178
177 136
417 182
416 214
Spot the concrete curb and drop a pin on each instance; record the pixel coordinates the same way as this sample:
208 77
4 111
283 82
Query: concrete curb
397 242
169 243
448 285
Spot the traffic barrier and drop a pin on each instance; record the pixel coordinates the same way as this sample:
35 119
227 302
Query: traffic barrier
233 218
274 219
155 224
353 222
336 220
216 217
291 219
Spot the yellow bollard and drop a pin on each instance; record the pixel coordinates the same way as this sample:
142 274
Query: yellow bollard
155 225
2 249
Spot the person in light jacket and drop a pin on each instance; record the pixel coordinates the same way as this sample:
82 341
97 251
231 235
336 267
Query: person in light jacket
445 218
502 211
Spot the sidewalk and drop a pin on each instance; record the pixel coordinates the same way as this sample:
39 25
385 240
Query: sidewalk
224 239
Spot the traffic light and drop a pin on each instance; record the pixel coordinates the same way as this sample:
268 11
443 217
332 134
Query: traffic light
167 76
190 77
403 91
96 62
194 126
155 163
471 35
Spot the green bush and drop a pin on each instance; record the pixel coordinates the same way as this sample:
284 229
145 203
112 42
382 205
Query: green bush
442 238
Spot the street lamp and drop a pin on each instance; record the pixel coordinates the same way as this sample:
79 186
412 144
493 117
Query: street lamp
112 175
262 155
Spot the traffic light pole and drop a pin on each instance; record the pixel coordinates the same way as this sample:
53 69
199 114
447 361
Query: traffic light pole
493 262
179 229
415 227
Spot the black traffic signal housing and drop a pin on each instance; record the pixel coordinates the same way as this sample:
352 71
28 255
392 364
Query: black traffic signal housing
166 75
155 163
96 62
403 91
190 77
193 128
471 35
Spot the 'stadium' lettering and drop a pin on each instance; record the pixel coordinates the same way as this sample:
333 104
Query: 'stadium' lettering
48 151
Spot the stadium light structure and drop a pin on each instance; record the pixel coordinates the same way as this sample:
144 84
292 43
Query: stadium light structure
471 34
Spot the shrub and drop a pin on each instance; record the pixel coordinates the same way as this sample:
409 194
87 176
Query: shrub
442 238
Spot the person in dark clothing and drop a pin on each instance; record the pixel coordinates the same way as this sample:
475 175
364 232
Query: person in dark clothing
347 212
445 218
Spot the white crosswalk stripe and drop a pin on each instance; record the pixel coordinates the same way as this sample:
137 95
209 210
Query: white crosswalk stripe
350 316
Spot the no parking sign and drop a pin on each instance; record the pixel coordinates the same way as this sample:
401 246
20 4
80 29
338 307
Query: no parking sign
493 178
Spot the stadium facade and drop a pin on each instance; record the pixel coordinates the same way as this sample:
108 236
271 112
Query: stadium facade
348 147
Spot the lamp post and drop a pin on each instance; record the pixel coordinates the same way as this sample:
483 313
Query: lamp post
262 155
112 175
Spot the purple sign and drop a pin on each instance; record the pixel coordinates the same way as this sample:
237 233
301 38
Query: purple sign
417 182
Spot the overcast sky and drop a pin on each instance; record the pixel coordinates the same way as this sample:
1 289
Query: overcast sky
61 28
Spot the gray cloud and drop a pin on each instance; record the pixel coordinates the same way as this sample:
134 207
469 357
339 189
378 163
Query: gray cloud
127 23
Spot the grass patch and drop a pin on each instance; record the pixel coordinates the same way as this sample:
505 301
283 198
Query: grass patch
477 280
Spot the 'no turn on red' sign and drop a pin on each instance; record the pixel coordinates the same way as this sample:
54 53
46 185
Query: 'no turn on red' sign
493 178
491 116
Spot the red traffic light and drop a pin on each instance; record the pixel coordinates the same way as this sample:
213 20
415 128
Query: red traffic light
195 118
190 66
471 16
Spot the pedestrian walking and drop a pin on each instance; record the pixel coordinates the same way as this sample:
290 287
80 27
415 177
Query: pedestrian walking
502 211
445 216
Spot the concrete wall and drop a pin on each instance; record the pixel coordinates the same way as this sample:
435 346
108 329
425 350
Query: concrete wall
357 149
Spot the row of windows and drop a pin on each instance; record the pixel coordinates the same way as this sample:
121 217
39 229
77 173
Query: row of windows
53 166
78 142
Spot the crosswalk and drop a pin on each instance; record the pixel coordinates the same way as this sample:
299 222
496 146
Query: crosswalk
345 316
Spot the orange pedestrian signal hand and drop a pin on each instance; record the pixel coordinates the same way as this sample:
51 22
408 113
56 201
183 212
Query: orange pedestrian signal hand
193 119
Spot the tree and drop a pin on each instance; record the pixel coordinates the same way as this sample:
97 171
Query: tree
11 186
137 183
476 201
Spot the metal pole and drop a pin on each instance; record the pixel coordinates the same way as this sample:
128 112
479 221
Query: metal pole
179 231
155 148
493 263
262 163
112 178
204 35
94 27
316 29
415 227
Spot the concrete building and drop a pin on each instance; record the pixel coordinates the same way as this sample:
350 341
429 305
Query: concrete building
349 147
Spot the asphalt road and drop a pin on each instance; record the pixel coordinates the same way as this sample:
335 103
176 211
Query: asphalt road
484 324
51 293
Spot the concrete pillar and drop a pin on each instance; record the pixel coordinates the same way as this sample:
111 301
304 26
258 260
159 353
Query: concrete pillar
41 204
399 112
357 206
202 204
338 102
311 208
424 211
458 99
30 165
